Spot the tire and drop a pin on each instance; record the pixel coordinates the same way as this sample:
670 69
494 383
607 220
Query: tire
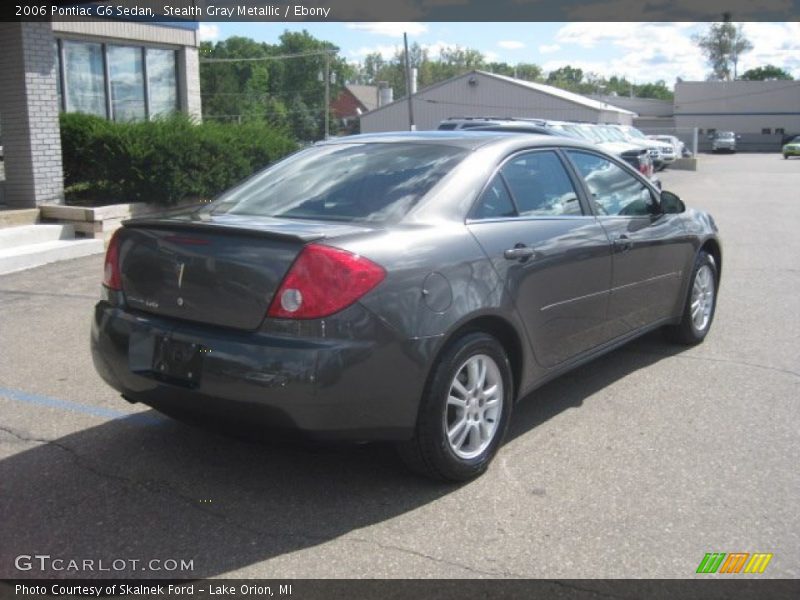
477 423
696 319
785 157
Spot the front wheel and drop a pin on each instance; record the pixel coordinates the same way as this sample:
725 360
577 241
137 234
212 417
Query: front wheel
701 303
464 412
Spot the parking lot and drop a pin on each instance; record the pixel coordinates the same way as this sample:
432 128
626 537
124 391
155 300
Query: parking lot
635 465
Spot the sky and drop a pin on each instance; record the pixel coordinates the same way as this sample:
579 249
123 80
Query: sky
642 52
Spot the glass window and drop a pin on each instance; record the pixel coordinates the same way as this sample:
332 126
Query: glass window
162 81
85 78
540 185
495 202
614 191
344 182
126 73
57 59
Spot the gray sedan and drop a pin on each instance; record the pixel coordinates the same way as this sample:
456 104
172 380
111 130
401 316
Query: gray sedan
407 287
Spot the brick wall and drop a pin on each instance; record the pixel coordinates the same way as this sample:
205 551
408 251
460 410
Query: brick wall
29 113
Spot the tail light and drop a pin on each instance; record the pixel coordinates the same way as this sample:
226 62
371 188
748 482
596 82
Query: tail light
112 278
645 165
322 281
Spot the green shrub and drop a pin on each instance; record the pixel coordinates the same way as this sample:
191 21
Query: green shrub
163 161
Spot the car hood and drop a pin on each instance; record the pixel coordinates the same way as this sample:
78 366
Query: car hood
619 147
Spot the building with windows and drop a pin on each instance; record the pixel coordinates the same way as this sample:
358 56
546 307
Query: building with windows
120 70
761 112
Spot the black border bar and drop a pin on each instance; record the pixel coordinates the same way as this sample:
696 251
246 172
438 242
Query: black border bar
713 588
404 10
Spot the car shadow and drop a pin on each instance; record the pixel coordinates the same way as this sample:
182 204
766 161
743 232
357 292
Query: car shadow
571 389
146 487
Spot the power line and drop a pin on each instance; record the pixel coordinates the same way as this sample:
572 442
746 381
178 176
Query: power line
275 57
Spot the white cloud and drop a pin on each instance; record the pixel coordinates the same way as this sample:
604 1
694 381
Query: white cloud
549 48
652 51
773 43
649 51
208 32
390 29
510 44
491 56
387 51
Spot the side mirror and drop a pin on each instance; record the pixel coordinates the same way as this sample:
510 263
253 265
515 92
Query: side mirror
738 137
671 204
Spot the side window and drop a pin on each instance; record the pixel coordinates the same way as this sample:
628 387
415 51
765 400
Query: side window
495 202
540 185
613 190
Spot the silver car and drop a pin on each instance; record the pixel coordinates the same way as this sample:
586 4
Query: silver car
723 140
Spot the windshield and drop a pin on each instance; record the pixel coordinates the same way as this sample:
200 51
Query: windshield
633 132
615 134
725 135
374 182
795 140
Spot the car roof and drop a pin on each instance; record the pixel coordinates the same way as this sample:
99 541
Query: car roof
469 139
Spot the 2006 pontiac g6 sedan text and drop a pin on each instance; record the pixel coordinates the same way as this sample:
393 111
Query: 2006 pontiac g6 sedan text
406 287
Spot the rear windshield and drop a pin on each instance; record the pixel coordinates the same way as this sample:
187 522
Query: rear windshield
376 182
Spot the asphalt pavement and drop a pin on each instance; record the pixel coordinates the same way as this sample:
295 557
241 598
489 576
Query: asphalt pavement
635 465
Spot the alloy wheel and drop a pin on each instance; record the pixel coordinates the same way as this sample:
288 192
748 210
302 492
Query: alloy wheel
474 406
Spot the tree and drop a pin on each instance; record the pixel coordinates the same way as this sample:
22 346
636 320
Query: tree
528 71
285 91
567 77
766 73
723 44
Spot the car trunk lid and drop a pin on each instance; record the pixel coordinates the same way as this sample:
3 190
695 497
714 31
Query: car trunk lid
220 270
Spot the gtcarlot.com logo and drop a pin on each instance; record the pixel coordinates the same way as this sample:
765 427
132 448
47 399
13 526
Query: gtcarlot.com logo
45 562
734 563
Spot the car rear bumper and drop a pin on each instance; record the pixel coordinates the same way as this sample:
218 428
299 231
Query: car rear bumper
337 389
791 151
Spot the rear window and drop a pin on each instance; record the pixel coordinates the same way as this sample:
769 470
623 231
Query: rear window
376 182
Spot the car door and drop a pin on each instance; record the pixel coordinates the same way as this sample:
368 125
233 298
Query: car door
553 256
650 249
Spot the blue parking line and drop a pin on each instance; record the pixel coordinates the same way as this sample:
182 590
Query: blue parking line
86 409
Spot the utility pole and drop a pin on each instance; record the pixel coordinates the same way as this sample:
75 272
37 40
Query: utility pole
327 92
411 125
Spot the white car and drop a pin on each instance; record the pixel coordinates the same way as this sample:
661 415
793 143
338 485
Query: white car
657 149
678 146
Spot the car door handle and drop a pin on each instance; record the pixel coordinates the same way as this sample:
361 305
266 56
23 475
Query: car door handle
519 252
624 243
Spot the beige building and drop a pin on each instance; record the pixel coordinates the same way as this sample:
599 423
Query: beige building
118 70
762 112
479 93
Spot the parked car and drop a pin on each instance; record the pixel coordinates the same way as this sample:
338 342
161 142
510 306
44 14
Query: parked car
657 149
723 140
633 154
791 147
677 146
403 286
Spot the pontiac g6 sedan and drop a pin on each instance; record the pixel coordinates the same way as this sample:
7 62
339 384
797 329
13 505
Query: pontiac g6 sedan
406 287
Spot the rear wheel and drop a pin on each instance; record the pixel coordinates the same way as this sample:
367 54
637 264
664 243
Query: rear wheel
465 411
701 302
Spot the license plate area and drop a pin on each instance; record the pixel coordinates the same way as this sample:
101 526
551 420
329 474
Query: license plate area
177 361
